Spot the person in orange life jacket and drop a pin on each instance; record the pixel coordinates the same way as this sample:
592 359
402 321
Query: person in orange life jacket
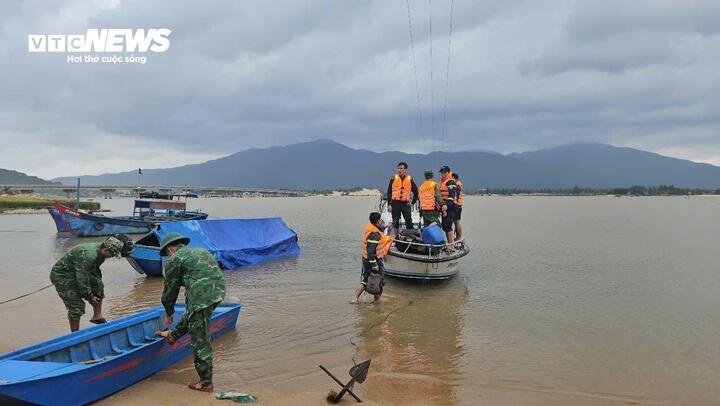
402 193
430 200
459 204
448 192
375 246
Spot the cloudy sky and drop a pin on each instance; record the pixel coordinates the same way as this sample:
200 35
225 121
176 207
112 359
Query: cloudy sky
240 74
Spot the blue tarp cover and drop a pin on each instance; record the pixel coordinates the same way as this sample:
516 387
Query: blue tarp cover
237 242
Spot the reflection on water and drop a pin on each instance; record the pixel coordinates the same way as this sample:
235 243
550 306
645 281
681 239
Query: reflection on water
143 294
414 341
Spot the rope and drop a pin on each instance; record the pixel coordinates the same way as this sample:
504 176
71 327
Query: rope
367 330
417 85
27 294
447 73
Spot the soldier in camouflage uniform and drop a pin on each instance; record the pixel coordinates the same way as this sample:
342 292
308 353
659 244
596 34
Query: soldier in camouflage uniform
77 277
198 271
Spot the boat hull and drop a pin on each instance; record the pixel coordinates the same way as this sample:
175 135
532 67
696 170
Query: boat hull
146 260
58 220
68 383
92 225
400 266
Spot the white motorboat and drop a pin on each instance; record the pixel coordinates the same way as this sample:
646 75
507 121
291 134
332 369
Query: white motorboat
416 260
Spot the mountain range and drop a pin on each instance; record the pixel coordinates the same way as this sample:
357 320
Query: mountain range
10 177
324 164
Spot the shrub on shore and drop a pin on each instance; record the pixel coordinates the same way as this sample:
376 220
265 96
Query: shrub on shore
16 202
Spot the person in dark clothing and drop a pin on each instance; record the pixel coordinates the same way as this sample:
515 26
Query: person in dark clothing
375 246
459 204
402 194
449 195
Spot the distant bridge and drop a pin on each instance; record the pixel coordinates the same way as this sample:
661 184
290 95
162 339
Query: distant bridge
125 190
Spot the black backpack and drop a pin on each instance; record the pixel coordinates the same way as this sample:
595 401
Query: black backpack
374 283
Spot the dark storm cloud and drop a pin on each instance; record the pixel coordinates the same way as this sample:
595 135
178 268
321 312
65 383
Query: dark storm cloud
523 75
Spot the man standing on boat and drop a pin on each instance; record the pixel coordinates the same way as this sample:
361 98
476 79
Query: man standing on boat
448 193
197 270
77 277
458 214
430 200
402 194
375 246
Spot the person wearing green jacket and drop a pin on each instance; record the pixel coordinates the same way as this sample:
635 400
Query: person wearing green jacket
77 278
197 270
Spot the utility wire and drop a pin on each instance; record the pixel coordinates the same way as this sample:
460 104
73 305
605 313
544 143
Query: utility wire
447 73
417 85
432 89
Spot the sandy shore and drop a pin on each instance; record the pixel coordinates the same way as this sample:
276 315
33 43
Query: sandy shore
157 392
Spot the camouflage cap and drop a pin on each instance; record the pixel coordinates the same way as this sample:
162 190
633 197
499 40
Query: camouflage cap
114 245
170 239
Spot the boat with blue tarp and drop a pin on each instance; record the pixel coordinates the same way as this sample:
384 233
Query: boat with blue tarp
90 364
233 242
146 214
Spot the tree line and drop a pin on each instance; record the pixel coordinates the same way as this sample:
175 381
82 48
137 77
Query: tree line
637 190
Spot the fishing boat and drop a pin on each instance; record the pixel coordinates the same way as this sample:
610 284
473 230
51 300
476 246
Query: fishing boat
234 243
58 220
92 363
146 214
412 259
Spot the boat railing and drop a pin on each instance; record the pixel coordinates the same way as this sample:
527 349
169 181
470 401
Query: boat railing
448 247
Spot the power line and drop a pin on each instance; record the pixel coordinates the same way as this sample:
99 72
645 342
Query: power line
432 89
447 73
417 86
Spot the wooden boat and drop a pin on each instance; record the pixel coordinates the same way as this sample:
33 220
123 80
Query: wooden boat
90 364
146 214
58 220
233 242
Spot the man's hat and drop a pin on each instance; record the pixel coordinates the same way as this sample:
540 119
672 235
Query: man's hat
114 245
428 174
170 239
445 169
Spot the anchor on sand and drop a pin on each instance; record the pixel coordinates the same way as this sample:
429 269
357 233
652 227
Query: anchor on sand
358 373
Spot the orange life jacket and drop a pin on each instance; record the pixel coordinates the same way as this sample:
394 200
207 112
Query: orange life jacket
460 193
444 191
383 245
427 195
401 188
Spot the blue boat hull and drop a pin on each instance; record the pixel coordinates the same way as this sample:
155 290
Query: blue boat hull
146 260
58 220
83 224
106 226
93 363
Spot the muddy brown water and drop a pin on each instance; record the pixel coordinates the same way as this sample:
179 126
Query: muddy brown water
562 301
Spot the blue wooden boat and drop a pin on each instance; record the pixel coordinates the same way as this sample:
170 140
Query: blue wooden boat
58 220
146 214
90 364
233 242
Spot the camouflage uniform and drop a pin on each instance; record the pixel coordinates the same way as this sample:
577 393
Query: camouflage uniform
431 216
197 270
77 276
